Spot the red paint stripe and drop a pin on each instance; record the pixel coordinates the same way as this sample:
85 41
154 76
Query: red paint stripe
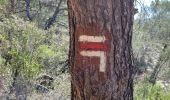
93 46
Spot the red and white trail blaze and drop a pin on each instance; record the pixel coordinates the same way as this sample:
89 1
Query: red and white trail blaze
93 46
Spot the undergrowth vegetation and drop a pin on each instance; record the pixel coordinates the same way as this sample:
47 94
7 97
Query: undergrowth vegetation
36 59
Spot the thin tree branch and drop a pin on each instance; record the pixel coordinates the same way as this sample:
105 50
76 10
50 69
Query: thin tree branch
28 10
52 19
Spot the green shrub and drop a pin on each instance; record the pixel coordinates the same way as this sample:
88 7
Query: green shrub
146 91
20 41
2 2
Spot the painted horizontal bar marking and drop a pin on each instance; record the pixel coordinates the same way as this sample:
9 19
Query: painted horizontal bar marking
94 46
85 38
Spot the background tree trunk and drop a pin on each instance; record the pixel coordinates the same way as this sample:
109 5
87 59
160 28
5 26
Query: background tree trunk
13 5
101 69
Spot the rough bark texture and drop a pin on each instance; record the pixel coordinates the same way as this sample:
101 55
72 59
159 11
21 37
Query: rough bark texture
112 19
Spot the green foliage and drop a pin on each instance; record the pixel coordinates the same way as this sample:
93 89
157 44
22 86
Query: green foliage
2 61
19 41
166 54
2 2
146 91
151 43
30 48
44 51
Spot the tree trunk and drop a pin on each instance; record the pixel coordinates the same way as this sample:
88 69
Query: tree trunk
101 49
13 5
160 63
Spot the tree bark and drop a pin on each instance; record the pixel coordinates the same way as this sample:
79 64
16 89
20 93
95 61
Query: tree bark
13 5
28 10
101 49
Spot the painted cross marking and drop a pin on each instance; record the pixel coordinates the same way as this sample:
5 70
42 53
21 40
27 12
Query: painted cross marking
94 47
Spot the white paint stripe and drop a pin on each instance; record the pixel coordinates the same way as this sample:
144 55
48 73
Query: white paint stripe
85 38
100 54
